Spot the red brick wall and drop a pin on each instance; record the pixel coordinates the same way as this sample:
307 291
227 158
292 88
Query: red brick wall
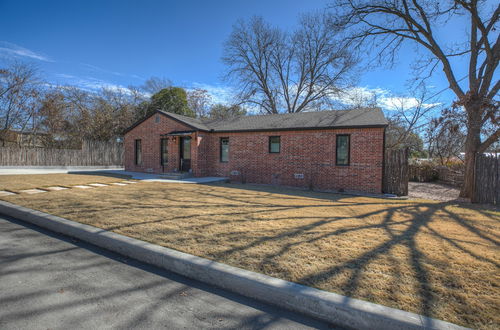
310 153
150 132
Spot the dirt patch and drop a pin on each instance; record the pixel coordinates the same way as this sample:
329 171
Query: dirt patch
440 259
433 191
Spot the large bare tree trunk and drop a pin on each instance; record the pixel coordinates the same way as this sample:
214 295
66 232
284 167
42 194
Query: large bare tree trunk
472 144
393 22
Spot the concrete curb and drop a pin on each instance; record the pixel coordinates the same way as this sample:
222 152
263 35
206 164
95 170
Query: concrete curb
336 309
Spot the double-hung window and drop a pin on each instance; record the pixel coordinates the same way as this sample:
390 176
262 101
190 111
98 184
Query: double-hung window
138 152
224 150
342 152
163 151
274 144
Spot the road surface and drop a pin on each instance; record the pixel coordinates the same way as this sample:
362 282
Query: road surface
49 281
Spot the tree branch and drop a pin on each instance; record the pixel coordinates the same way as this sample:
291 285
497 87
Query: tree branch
489 141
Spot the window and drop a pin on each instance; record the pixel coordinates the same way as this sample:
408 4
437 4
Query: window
163 151
224 150
274 144
157 118
343 150
138 152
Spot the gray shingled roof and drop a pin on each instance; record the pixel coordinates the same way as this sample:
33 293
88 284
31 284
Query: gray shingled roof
363 117
193 122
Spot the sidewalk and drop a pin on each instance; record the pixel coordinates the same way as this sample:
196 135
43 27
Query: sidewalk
17 170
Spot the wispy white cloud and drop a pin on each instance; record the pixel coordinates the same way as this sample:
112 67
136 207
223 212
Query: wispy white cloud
10 50
401 102
95 68
225 95
94 84
219 93
383 97
90 83
65 76
351 97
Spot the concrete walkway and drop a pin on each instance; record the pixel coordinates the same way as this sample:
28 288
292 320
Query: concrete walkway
48 281
157 178
15 170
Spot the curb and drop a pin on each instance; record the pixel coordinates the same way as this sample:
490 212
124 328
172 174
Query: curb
327 306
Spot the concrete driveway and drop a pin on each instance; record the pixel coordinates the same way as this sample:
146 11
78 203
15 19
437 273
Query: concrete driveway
50 281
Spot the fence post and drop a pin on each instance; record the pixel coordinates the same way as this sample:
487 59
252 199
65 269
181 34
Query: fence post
396 172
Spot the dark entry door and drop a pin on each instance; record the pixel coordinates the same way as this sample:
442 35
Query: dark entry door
185 153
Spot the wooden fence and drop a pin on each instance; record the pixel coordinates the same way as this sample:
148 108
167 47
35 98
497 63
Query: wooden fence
450 176
443 174
422 173
487 180
93 153
396 172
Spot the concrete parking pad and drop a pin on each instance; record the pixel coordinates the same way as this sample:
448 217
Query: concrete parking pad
32 191
56 188
82 187
98 185
6 193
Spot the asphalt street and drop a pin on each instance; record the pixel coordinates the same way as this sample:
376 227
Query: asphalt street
49 281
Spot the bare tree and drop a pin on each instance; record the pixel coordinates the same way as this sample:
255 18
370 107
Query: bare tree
69 114
223 111
389 23
445 136
155 84
277 70
408 118
19 96
199 100
53 119
355 98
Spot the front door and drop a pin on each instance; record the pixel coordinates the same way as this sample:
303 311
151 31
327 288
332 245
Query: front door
185 154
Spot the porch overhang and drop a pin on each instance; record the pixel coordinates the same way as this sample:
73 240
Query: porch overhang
179 133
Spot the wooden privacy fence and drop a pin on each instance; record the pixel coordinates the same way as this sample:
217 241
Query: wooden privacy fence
422 173
396 172
429 173
93 153
487 180
450 176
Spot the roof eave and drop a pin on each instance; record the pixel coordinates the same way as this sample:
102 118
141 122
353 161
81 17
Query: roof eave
181 121
299 128
166 115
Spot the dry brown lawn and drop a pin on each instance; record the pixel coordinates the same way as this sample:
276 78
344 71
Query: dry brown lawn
440 259
19 182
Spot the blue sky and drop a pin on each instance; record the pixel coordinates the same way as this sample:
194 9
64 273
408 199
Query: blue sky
95 43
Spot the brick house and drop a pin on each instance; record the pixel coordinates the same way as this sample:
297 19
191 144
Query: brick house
327 150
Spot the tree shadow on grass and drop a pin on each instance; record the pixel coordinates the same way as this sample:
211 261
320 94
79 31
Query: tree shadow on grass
420 216
413 226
